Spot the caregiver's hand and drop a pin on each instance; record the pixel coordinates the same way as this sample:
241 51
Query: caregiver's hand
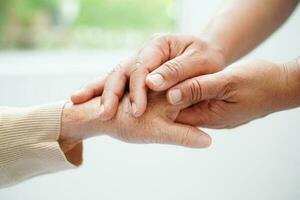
170 58
155 126
242 92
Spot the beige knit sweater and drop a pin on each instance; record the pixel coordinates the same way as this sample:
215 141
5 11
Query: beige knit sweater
28 143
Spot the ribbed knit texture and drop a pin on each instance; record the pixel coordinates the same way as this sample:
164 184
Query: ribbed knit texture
28 143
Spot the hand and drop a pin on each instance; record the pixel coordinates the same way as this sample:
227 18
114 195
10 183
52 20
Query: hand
155 126
170 58
242 92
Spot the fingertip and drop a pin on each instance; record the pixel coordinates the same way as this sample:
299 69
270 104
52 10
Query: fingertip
149 83
136 110
105 115
204 140
197 139
74 99
154 82
80 96
138 99
108 109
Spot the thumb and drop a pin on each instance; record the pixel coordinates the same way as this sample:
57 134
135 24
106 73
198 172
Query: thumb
185 66
183 135
191 91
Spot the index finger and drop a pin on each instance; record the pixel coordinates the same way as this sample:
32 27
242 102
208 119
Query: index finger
114 89
93 89
148 59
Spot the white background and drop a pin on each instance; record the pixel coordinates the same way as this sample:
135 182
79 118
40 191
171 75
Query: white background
259 160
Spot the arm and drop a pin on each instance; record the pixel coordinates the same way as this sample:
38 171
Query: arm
241 25
169 59
45 139
242 92
28 143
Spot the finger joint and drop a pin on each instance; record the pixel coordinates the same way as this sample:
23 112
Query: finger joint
174 69
195 92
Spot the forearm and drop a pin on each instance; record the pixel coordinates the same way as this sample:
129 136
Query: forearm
243 24
42 139
28 142
80 122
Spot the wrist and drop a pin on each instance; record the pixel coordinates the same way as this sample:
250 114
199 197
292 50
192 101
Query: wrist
68 137
79 122
221 30
217 46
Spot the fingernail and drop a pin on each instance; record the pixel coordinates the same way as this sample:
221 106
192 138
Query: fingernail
175 96
133 108
204 141
156 79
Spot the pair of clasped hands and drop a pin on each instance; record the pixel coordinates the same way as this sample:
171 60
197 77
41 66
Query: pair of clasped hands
177 83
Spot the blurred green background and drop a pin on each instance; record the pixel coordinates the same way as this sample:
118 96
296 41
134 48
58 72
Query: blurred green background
82 23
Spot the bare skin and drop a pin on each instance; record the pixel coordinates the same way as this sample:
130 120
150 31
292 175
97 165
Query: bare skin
157 125
244 91
168 59
166 50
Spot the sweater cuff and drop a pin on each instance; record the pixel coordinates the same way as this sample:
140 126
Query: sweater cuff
28 143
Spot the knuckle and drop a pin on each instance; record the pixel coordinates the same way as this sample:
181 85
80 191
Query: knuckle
162 39
173 69
200 43
117 69
185 138
203 60
138 67
193 52
200 57
134 68
229 85
194 91
110 93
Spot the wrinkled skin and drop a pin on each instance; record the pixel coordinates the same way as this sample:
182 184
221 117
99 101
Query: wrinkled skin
242 92
173 57
157 125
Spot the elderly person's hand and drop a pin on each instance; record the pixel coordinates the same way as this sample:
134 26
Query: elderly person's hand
238 94
169 58
155 126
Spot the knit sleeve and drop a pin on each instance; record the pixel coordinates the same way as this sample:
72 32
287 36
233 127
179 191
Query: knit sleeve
28 143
